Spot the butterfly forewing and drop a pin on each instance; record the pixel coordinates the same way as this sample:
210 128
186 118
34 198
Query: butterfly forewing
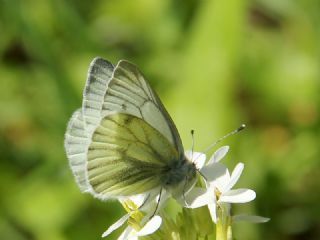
99 76
128 92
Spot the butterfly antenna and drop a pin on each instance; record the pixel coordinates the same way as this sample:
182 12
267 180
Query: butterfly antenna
243 126
192 146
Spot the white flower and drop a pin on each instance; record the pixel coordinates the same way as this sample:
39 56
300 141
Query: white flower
130 233
219 183
219 189
140 224
199 159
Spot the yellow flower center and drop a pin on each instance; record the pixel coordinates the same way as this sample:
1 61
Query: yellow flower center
217 193
136 216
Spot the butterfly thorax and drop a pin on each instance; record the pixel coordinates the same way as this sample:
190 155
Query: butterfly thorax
177 172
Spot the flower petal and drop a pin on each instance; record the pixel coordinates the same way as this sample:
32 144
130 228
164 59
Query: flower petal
197 157
128 234
219 154
249 218
197 197
214 171
235 175
188 154
116 225
242 195
151 226
138 199
213 211
200 161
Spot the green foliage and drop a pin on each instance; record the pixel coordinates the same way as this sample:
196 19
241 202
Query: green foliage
215 64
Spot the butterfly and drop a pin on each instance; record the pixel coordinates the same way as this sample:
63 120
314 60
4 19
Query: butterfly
122 141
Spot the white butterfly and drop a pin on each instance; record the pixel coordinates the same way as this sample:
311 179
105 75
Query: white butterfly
122 142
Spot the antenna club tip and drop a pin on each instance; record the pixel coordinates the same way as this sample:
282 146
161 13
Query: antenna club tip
243 126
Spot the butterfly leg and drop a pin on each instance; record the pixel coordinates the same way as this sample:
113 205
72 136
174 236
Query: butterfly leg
158 203
201 174
145 201
184 191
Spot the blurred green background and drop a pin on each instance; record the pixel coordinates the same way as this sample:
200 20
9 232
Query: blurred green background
215 64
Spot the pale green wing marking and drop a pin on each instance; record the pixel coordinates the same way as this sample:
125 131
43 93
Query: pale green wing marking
127 156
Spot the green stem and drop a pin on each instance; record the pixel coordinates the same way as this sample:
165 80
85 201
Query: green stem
229 231
223 226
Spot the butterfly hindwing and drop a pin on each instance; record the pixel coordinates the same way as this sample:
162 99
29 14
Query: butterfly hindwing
127 156
76 144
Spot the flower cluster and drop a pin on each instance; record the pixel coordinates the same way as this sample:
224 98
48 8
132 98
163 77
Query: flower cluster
141 218
214 190
218 194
